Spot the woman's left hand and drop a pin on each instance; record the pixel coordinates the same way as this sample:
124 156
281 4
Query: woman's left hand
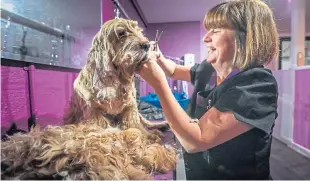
151 72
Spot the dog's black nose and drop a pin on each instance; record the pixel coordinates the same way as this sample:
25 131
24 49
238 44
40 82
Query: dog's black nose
145 46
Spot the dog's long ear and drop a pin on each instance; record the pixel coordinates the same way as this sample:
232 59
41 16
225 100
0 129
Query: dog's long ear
99 65
83 83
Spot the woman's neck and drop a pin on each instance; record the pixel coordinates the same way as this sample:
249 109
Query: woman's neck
222 72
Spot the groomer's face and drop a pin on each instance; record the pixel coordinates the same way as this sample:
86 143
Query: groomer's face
221 45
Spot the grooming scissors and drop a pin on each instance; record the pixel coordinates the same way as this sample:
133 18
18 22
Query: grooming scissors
157 38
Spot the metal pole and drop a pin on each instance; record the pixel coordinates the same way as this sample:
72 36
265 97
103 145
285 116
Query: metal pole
120 7
34 25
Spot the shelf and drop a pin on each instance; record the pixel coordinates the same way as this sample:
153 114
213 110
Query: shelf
36 60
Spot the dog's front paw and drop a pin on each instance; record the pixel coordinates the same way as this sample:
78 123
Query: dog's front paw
166 127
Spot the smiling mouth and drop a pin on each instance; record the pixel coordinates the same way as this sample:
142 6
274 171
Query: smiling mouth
211 49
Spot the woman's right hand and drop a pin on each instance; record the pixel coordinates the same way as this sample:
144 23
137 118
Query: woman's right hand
167 65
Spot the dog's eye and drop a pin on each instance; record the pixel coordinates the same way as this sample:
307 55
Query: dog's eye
122 33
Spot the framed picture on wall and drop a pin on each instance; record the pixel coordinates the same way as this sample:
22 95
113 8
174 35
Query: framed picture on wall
285 52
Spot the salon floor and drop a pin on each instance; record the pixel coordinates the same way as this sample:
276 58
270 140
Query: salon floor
286 163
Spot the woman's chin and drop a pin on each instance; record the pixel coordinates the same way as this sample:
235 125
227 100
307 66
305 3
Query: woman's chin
211 60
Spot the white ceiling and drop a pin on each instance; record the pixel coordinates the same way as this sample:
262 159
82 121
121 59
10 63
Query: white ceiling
162 11
87 13
166 11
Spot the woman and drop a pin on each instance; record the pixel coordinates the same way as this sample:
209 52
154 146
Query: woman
229 135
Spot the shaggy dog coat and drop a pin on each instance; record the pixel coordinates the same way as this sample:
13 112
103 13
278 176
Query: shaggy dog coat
104 136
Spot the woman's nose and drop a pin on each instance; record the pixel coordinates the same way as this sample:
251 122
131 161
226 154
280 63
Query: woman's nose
207 38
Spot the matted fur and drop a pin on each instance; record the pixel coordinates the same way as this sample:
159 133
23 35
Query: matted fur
84 151
104 136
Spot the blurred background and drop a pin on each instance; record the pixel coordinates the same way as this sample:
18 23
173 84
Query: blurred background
45 43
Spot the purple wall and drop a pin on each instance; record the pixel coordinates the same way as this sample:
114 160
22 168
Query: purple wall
131 12
302 108
107 10
50 91
14 95
80 48
84 36
177 39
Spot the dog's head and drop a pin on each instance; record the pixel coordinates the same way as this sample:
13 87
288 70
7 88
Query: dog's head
117 51
119 46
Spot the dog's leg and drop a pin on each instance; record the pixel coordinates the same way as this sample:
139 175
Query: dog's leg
98 118
75 113
130 118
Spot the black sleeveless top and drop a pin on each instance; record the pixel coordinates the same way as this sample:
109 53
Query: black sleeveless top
251 95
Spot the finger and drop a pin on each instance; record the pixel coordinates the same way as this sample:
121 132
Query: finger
151 62
157 55
152 45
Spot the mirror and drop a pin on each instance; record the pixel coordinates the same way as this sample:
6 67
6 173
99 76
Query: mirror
52 32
